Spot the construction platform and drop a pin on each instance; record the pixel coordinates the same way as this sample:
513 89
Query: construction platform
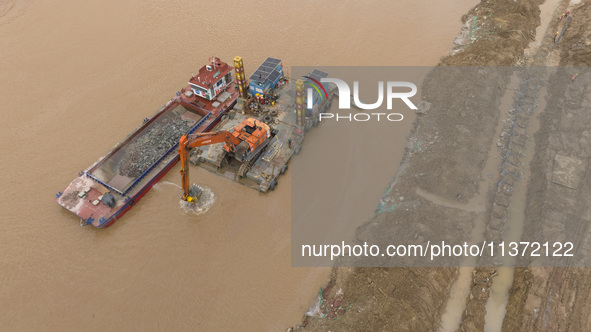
281 116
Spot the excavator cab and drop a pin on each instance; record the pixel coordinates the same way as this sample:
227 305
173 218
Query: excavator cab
250 129
253 134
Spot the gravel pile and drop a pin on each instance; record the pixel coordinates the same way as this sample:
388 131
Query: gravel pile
147 149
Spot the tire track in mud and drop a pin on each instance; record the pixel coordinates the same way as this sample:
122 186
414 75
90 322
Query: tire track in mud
557 299
516 154
514 138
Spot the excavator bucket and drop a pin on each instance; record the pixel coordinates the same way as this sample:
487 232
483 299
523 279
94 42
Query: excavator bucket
194 194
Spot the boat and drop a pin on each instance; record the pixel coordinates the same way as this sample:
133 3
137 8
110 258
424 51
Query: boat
110 187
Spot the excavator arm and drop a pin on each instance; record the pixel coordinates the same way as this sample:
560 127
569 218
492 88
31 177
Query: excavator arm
246 142
189 142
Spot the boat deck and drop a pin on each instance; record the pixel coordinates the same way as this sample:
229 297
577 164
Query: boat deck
280 150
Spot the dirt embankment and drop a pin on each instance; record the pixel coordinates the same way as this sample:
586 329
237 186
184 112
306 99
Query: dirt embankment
444 158
558 299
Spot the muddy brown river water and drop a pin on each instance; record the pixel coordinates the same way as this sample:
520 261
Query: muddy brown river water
77 76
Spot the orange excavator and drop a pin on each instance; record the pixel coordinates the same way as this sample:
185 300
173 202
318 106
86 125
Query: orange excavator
245 143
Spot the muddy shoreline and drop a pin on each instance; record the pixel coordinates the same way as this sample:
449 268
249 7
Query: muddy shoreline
454 167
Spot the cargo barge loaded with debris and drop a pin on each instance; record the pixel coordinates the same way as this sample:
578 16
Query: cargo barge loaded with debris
117 181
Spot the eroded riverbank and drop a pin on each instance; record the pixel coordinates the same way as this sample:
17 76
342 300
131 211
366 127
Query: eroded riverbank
447 176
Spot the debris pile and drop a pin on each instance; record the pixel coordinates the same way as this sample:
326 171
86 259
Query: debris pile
328 307
147 149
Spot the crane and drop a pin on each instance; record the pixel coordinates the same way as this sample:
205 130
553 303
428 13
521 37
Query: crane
245 143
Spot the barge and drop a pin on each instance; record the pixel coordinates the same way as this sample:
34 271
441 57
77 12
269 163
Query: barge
279 102
110 187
